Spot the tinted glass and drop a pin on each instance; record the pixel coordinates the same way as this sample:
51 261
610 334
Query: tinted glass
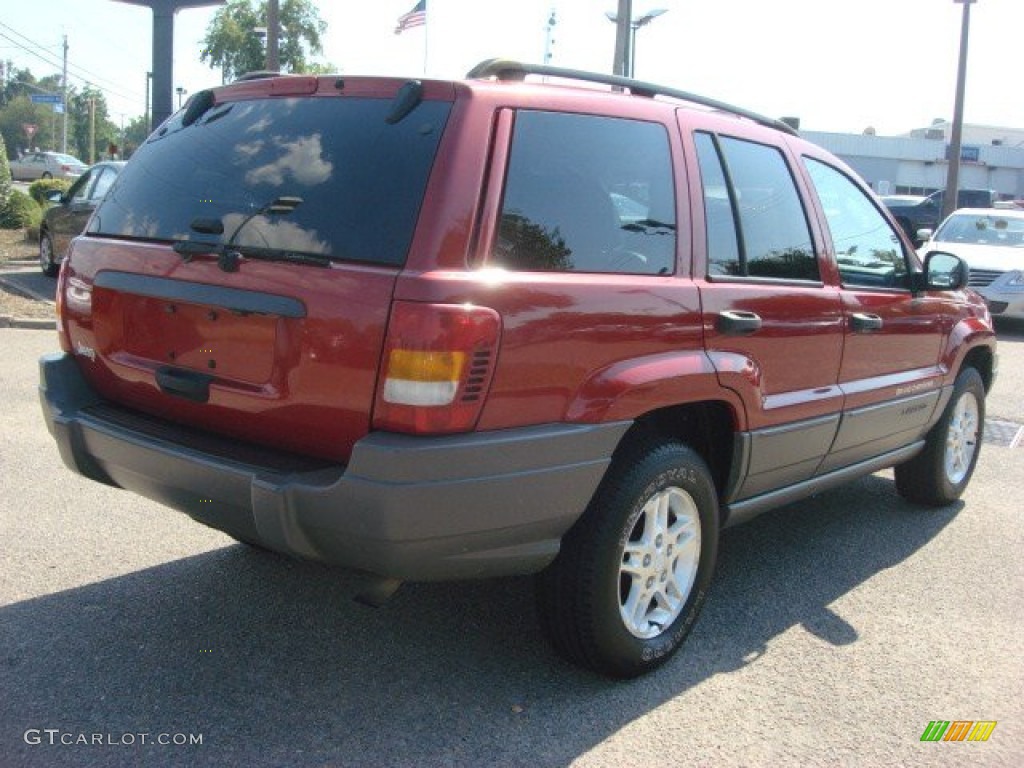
723 246
360 181
868 250
776 237
587 194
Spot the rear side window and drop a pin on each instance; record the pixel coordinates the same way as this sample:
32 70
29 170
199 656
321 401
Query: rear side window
756 224
587 194
359 181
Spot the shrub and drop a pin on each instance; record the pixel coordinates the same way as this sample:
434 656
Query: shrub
20 211
38 189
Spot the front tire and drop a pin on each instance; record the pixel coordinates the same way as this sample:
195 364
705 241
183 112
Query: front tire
634 571
940 473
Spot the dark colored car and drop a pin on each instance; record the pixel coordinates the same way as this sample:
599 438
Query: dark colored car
442 330
70 211
928 213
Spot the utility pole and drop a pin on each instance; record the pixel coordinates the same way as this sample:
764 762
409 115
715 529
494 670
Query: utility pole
64 92
149 78
622 38
949 201
273 35
92 129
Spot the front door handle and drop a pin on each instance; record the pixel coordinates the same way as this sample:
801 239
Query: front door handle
865 322
738 322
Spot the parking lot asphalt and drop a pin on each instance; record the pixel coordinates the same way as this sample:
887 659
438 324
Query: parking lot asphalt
837 629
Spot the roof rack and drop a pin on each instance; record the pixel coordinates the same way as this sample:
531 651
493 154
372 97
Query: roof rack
507 69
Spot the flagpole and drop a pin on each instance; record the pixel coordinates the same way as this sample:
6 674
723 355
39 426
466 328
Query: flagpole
426 40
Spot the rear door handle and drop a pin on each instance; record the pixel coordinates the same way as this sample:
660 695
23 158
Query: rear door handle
865 322
737 322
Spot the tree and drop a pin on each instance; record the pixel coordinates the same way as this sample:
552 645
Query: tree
103 130
233 45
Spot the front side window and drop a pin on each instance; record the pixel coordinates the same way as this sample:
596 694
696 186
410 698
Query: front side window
587 194
80 189
756 224
868 250
103 183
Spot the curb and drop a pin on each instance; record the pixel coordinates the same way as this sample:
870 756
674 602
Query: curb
30 323
24 292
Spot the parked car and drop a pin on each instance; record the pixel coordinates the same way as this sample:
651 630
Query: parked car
405 327
70 211
928 213
46 165
992 244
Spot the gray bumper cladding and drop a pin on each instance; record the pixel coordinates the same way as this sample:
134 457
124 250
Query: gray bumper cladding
417 508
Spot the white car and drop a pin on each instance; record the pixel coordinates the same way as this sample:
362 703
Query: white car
991 241
47 165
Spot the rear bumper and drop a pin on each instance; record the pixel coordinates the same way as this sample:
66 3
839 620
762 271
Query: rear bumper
417 508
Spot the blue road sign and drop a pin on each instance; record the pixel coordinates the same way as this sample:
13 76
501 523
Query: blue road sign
46 98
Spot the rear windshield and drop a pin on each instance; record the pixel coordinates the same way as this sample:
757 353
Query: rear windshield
351 184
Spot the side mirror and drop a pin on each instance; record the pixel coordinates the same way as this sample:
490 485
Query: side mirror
924 235
55 196
945 272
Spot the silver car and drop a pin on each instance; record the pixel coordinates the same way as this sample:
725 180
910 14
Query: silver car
991 241
46 165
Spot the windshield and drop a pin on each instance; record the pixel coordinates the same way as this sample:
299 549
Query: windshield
359 182
982 230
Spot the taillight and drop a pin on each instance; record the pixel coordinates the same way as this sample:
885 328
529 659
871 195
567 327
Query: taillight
437 366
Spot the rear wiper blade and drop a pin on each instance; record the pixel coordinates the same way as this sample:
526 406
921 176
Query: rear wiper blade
269 254
229 257
189 248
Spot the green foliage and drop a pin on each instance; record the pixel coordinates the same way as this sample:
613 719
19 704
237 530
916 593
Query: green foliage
21 211
232 45
37 189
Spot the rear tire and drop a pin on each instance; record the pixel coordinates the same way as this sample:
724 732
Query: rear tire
940 473
47 264
46 175
633 572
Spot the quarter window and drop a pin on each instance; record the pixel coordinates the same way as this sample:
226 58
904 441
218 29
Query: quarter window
587 194
755 222
868 250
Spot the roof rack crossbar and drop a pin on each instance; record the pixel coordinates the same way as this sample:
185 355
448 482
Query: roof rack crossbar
507 69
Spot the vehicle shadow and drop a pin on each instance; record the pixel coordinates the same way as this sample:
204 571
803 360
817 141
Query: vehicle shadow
274 664
1009 328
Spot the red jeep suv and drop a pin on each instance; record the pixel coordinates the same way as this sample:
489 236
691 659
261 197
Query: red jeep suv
446 330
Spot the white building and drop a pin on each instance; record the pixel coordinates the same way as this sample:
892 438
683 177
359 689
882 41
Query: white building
991 158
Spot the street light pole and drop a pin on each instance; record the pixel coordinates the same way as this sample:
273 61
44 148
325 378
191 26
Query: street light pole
949 202
629 60
622 37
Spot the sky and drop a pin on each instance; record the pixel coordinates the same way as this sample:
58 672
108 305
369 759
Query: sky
838 65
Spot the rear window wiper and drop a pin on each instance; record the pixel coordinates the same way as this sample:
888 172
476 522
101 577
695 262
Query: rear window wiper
229 256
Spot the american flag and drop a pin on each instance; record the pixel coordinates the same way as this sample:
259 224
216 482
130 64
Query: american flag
417 17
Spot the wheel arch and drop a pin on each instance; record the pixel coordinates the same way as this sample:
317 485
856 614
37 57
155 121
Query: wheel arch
708 427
